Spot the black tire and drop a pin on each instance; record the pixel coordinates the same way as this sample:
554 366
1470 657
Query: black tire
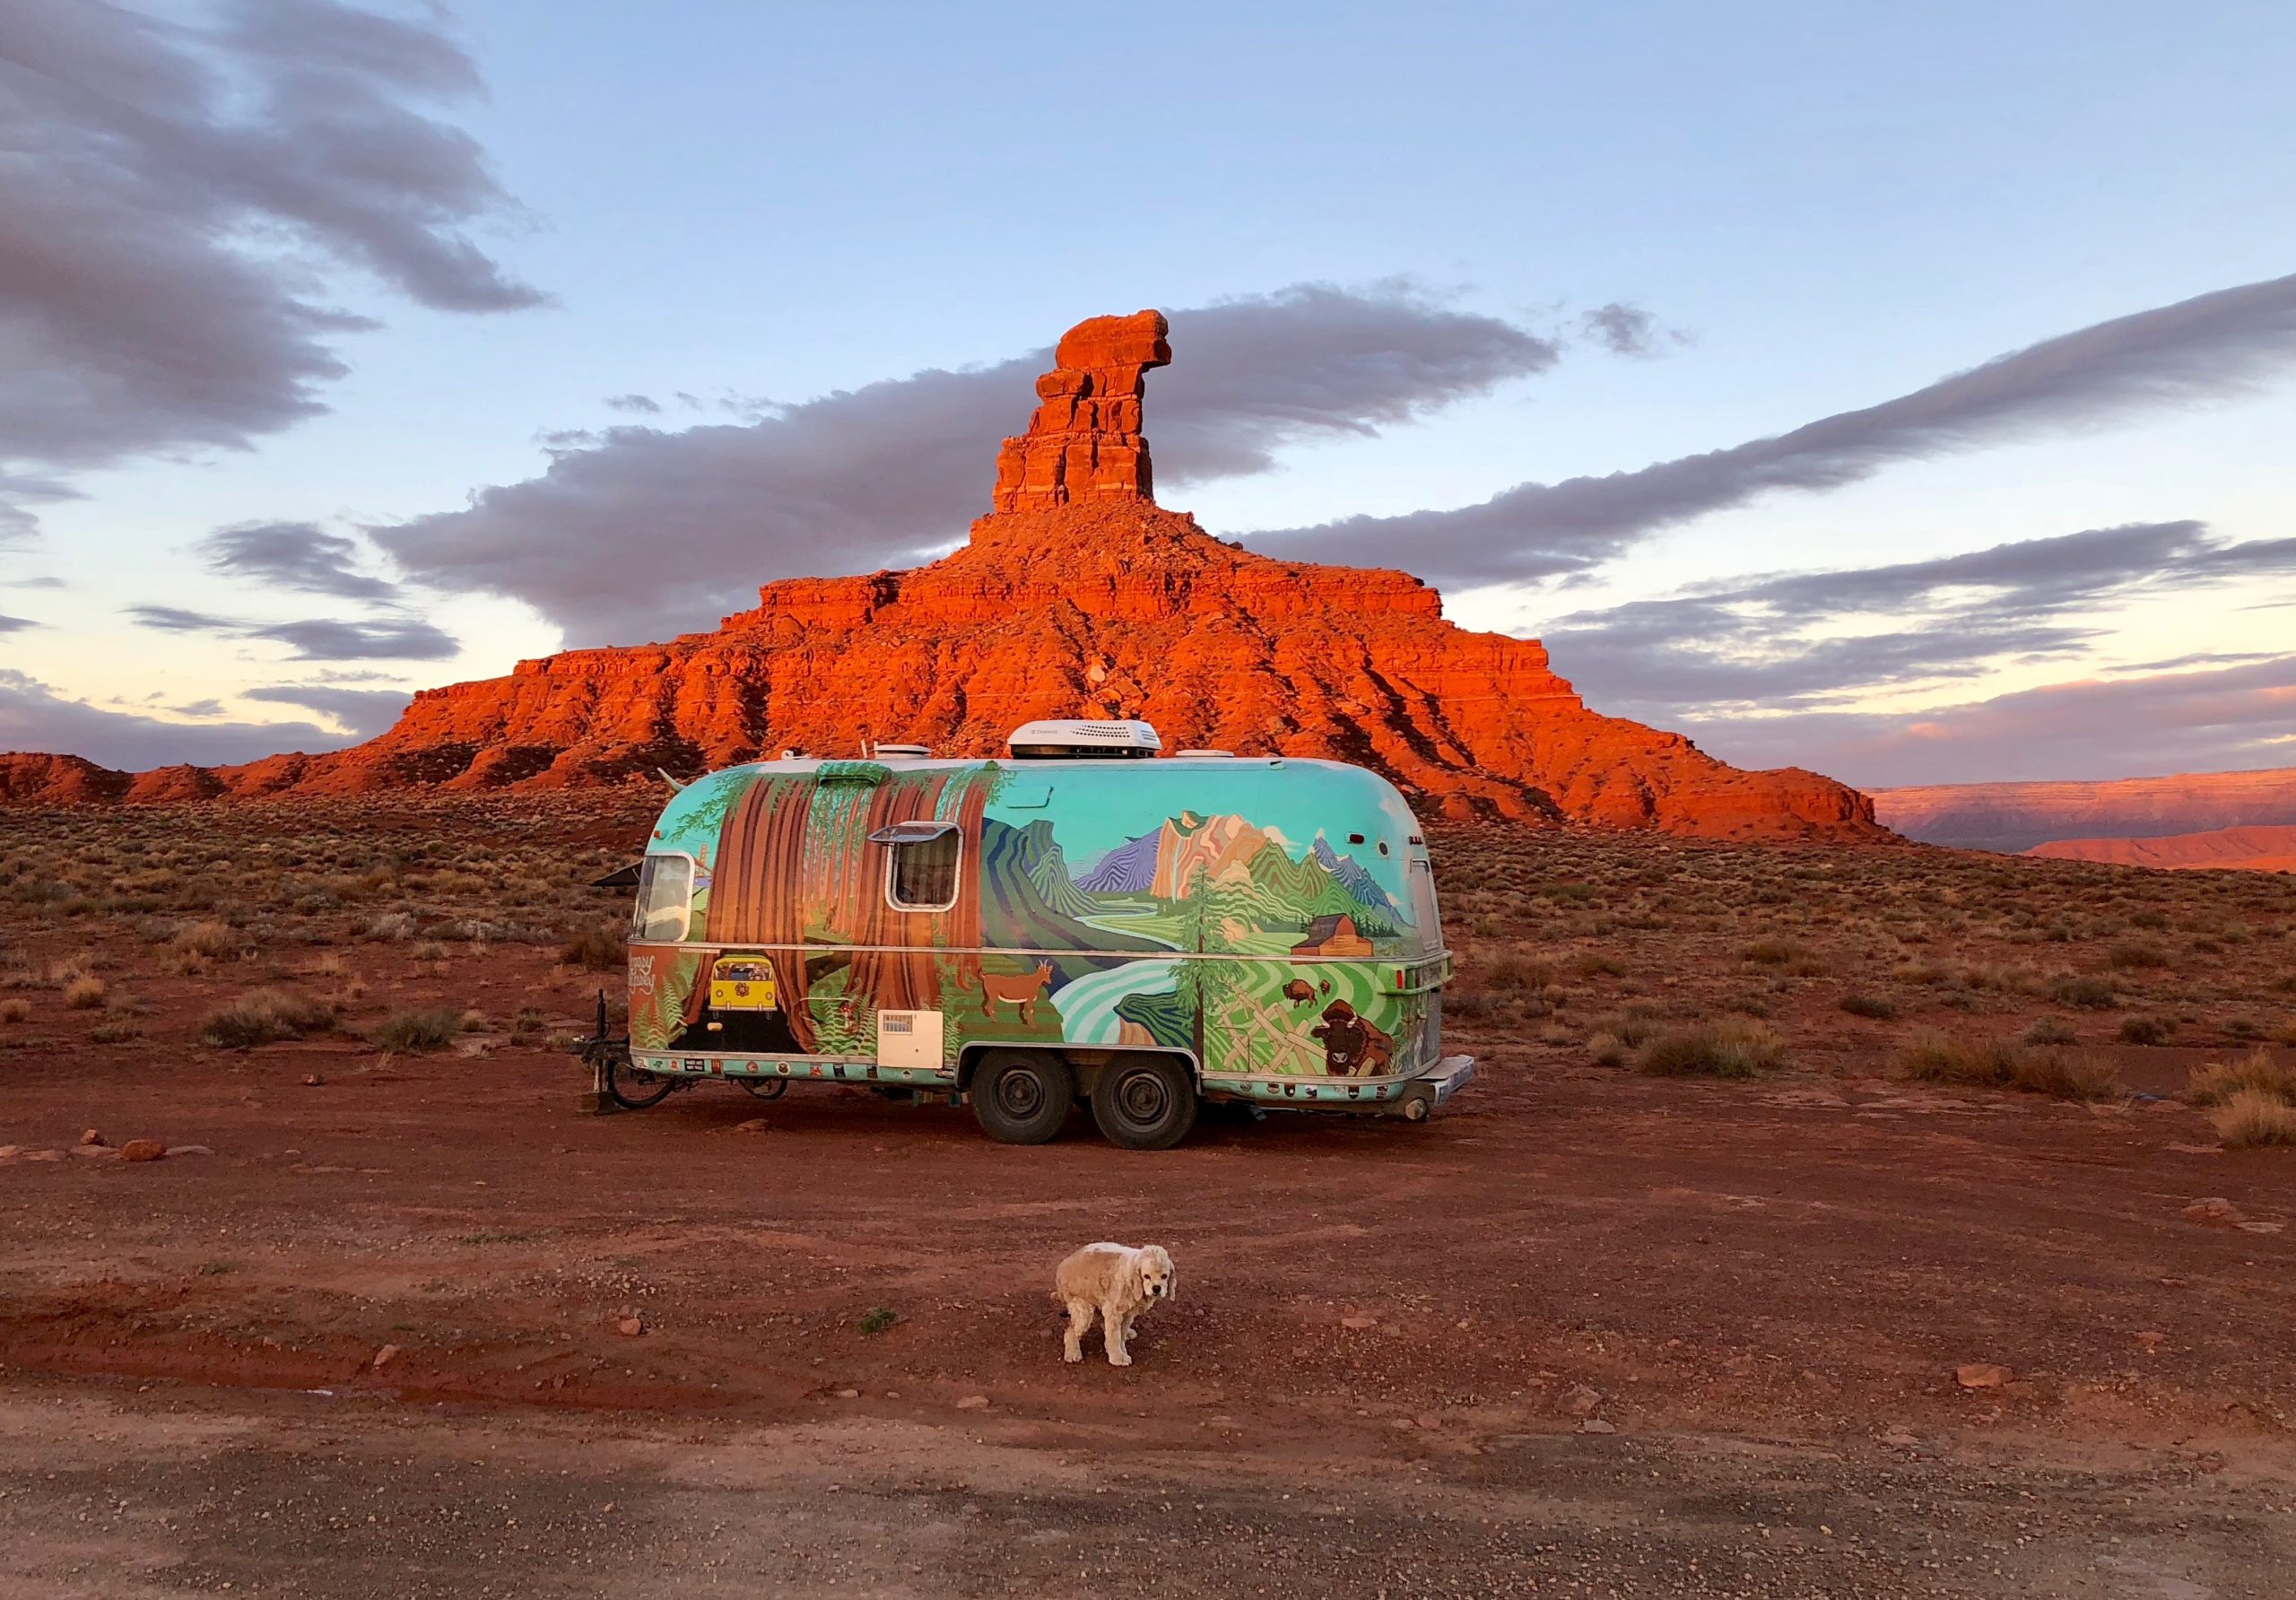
764 1088
1023 1098
632 1089
1144 1102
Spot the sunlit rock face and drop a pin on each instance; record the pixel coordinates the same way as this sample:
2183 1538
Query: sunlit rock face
1077 596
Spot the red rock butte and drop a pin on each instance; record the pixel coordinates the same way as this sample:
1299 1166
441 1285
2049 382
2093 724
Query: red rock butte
1077 596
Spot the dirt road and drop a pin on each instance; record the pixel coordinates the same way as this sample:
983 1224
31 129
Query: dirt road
1752 1297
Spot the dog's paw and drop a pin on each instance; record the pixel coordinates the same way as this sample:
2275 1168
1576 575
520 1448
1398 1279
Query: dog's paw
1119 1361
1072 1355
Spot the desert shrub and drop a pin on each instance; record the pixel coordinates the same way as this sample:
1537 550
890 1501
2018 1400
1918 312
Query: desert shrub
1939 1058
2064 1076
2147 1030
1728 1047
2259 1073
428 950
430 1029
1606 1050
84 993
116 1031
2084 991
1773 953
388 925
599 948
2252 1118
16 1009
1630 1027
2134 954
1593 963
213 939
260 1016
2049 1031
1877 1006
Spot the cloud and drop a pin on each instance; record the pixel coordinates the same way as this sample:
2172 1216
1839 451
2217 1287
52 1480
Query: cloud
385 639
361 712
636 403
2231 719
1626 330
294 556
9 624
1795 640
174 196
175 619
35 716
2209 346
648 531
392 636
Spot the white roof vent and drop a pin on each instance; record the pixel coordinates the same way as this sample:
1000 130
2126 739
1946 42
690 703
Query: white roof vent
902 753
1052 740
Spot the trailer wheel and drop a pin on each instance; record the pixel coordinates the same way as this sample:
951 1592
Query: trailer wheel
1023 1098
632 1087
1144 1102
764 1087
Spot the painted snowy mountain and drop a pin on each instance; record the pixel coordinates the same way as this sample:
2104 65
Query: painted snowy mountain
1358 882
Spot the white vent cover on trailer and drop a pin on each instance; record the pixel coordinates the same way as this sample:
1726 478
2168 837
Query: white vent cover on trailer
1052 740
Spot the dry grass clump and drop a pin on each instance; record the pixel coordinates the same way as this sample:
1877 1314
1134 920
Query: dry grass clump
84 993
1938 1057
16 1009
432 1028
213 939
2135 955
2084 991
597 948
2049 1031
2219 1080
261 1016
2147 1030
2253 1118
1879 1007
1728 1047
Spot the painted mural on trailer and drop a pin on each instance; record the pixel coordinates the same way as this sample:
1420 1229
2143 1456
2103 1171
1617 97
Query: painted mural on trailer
1114 915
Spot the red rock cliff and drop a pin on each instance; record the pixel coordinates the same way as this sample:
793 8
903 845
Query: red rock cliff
1078 595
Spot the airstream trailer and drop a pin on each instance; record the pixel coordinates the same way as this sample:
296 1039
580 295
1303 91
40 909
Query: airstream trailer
1077 922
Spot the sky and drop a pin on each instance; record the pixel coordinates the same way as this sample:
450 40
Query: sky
1903 393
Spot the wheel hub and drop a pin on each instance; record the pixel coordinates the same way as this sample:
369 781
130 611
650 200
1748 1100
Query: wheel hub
1020 1092
1141 1096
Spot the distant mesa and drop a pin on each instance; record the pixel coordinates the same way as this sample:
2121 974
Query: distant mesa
2262 847
2018 816
1077 596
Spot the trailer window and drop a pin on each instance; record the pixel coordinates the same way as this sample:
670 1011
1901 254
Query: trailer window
921 868
664 899
1423 905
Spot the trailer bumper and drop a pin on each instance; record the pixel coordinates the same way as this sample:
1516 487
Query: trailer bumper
1425 1094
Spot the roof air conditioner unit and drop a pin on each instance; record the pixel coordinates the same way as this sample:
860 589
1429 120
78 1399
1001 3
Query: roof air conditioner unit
1058 740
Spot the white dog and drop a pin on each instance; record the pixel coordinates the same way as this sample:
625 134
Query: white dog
1118 1283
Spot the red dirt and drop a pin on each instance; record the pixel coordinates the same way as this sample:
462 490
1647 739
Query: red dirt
1392 1346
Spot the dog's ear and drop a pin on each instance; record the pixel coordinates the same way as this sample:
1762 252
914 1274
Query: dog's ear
1171 1275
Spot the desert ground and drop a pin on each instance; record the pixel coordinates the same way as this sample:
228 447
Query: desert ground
1825 1221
